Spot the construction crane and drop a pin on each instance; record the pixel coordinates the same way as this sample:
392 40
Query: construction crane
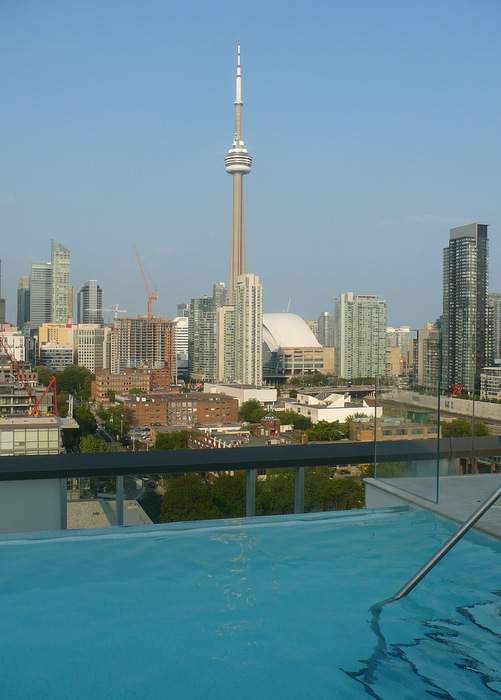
115 310
151 295
22 379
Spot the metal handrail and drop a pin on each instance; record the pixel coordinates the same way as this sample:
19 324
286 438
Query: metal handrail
413 582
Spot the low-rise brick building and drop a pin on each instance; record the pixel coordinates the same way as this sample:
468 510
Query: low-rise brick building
183 410
145 380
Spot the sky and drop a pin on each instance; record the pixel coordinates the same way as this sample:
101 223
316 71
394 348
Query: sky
374 128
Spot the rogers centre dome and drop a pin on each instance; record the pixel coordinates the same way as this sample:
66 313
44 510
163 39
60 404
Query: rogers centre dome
287 331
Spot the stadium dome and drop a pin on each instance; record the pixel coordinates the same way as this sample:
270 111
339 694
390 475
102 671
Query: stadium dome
287 331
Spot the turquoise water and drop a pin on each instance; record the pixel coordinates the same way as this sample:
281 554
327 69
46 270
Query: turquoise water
268 608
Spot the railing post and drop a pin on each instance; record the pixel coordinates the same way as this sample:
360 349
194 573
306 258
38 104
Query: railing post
250 493
299 491
120 500
63 492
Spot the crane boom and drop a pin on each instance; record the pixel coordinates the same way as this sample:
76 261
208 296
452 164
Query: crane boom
151 295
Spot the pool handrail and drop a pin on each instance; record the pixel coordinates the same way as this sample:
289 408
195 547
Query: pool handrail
433 561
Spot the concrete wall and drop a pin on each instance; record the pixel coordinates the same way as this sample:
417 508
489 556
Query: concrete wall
461 407
28 506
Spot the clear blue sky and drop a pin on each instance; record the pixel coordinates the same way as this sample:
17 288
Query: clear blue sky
374 127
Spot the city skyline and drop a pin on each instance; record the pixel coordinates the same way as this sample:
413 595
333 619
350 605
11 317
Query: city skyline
122 185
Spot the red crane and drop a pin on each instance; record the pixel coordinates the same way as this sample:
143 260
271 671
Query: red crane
151 295
22 379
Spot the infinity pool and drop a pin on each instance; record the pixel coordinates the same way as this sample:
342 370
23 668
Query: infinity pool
267 608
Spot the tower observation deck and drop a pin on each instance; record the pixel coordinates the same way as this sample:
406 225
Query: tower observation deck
237 163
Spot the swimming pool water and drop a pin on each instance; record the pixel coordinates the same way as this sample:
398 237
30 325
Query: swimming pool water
267 608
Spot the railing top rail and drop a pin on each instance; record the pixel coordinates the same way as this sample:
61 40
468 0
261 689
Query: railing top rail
74 465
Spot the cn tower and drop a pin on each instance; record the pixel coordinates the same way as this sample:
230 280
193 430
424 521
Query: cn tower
237 163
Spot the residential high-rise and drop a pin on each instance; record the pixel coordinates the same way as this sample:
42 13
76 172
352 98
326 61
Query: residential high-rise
202 339
183 310
143 342
326 329
225 342
23 301
181 345
61 294
40 294
312 323
219 294
360 335
402 339
90 303
427 370
249 330
237 163
495 306
2 300
467 346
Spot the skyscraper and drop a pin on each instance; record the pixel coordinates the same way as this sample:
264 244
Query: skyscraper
181 324
326 329
90 303
202 339
360 335
40 294
225 342
219 294
249 330
237 163
467 346
23 301
495 306
61 295
2 300
427 370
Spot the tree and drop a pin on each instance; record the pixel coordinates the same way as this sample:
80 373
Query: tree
44 374
228 495
151 503
275 494
187 497
322 491
85 419
75 380
326 432
93 444
251 411
295 419
462 427
110 395
177 440
136 392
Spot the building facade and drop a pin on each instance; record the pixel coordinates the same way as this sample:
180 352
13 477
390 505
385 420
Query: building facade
146 380
90 303
360 335
249 330
326 329
202 339
62 293
181 345
225 343
428 361
490 383
23 301
90 343
467 344
494 301
40 294
143 342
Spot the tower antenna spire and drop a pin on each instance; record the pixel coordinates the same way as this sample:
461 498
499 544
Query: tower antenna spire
237 163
